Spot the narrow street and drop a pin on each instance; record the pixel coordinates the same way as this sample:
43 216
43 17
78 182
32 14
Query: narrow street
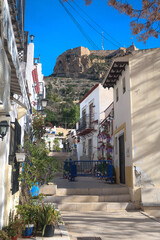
111 225
77 199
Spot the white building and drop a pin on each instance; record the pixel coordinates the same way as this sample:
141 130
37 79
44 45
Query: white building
34 78
136 86
15 106
92 108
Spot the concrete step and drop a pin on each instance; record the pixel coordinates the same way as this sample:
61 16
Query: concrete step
99 206
88 198
92 191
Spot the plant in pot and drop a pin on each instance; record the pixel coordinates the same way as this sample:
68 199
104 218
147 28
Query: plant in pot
12 231
28 213
49 217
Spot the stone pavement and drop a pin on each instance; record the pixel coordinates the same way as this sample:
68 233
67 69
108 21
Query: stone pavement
83 182
60 234
111 226
105 225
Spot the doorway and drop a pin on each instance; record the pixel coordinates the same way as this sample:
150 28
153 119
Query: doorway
122 159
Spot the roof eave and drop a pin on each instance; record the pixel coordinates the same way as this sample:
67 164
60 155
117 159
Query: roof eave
118 59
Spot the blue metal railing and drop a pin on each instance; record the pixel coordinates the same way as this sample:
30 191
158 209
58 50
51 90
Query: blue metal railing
95 168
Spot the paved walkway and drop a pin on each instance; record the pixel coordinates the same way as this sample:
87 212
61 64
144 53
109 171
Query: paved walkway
111 226
106 225
83 182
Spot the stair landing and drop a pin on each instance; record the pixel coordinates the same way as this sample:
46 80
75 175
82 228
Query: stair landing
90 194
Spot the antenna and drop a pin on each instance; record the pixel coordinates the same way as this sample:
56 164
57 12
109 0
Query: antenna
102 42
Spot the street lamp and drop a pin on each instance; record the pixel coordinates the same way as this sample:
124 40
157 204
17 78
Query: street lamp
3 129
32 37
44 102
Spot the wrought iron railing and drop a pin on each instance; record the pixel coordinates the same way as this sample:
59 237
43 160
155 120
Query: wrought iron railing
102 169
86 122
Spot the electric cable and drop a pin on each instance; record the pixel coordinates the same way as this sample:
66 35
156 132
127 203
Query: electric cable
97 24
92 26
80 28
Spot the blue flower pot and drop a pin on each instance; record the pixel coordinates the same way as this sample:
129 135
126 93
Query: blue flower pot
28 230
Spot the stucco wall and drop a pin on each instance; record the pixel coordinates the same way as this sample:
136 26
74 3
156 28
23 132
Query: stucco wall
122 125
145 102
92 97
30 67
4 145
105 99
101 99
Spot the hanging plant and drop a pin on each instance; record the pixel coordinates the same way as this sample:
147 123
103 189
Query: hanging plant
109 157
102 146
109 150
109 145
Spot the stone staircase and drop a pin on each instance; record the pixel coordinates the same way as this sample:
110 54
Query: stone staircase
108 199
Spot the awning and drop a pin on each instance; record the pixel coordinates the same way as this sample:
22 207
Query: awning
35 80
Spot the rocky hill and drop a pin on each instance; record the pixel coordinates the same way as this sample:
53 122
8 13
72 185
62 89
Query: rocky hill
75 73
82 63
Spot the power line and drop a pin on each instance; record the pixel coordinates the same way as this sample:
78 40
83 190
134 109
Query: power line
97 24
92 26
80 28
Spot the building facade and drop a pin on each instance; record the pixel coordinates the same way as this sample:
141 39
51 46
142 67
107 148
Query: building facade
135 81
15 106
92 108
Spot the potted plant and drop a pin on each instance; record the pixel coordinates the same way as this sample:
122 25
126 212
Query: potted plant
28 214
49 217
12 231
20 154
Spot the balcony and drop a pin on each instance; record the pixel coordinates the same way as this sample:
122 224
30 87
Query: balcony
17 84
16 8
85 124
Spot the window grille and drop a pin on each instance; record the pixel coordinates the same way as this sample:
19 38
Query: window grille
15 140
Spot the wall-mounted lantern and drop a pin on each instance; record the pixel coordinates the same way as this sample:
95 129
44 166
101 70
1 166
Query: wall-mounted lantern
44 102
3 129
32 37
20 156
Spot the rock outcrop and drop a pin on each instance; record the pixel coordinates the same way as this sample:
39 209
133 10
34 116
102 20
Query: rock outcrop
82 63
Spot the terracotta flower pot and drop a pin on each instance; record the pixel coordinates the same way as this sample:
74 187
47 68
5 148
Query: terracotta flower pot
15 238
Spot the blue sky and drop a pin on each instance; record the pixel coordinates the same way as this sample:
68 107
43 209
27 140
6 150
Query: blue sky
55 32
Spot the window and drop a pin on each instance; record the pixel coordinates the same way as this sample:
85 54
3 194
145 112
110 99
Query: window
117 97
91 114
15 140
84 147
116 145
90 149
84 118
124 85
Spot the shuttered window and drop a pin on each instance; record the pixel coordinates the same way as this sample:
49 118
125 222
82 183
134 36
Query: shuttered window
15 140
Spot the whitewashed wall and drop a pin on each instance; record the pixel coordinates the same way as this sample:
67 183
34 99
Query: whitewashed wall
101 99
122 114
